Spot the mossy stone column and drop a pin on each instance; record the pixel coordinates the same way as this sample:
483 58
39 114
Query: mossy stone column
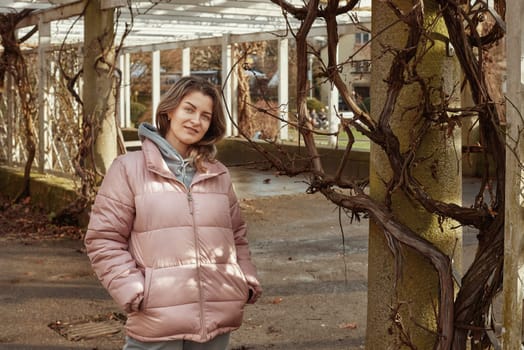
408 310
98 89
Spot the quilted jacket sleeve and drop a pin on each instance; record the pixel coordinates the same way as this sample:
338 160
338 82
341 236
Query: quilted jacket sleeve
107 238
242 247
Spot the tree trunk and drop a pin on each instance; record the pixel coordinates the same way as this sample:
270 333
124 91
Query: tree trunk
403 286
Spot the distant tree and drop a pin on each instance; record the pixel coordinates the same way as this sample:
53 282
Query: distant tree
171 60
249 120
204 58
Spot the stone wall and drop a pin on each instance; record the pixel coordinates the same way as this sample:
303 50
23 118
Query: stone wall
53 192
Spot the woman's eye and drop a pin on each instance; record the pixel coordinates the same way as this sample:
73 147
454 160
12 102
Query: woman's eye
206 117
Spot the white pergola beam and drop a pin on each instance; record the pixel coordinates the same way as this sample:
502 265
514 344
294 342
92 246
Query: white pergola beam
168 21
53 14
235 38
109 4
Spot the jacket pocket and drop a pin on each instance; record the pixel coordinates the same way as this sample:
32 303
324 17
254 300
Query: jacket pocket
147 287
247 290
241 273
170 286
226 282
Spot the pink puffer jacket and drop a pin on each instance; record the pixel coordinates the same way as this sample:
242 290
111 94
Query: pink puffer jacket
176 260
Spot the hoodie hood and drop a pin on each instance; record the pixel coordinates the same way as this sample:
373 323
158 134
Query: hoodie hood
183 169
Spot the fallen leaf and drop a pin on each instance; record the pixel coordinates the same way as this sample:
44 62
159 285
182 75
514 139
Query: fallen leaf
351 325
277 300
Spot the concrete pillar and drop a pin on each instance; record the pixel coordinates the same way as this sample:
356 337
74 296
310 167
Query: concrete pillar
514 215
283 86
98 94
415 295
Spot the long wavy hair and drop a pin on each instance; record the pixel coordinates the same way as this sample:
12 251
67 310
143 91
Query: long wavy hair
205 149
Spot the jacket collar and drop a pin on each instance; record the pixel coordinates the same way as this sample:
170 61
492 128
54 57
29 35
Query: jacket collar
156 164
154 160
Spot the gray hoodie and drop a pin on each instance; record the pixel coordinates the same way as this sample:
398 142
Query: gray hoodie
182 168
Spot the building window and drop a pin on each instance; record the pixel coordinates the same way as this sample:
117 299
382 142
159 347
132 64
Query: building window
362 37
361 66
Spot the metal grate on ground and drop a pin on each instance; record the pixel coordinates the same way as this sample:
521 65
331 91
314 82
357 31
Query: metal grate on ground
90 327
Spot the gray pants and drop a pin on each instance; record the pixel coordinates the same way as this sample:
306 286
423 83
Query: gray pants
218 343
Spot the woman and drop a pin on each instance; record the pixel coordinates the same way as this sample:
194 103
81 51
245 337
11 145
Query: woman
166 237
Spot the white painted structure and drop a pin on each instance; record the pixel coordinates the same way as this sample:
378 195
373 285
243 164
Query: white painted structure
163 25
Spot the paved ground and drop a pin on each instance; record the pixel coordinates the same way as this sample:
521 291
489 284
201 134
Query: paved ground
314 285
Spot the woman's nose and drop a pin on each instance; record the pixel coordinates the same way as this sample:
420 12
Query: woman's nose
195 118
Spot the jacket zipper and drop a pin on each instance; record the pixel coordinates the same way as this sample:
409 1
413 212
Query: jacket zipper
197 253
190 203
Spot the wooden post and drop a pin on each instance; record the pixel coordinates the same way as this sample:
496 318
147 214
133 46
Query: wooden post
514 218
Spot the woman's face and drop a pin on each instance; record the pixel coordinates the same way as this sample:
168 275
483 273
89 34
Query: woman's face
189 121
